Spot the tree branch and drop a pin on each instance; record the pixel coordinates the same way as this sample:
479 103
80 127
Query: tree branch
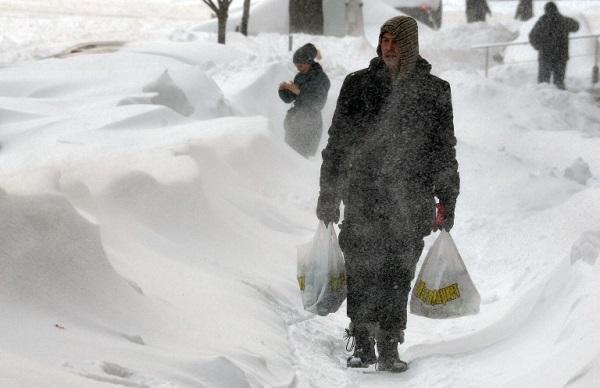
222 6
212 5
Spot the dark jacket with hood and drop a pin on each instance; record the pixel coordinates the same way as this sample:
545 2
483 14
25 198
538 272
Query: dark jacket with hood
391 150
476 10
550 35
524 10
303 122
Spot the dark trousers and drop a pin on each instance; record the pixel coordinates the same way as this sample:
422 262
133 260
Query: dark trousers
556 69
379 276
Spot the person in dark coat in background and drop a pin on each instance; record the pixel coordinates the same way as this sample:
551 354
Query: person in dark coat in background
303 122
524 10
391 149
477 10
550 37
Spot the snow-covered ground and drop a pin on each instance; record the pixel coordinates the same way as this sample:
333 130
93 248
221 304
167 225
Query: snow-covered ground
151 211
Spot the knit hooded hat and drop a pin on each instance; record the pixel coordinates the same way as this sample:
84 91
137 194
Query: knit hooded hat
550 8
406 33
305 54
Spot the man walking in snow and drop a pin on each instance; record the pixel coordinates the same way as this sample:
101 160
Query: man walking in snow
550 36
524 10
477 10
390 151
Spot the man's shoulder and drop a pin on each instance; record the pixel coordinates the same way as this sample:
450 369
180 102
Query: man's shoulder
439 81
358 75
437 84
374 67
542 21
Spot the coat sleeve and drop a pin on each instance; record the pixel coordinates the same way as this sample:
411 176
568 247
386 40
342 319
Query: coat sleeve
446 180
314 92
534 35
487 8
339 145
572 25
287 96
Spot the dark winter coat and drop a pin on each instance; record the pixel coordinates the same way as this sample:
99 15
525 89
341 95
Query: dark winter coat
524 10
390 151
550 36
303 121
476 10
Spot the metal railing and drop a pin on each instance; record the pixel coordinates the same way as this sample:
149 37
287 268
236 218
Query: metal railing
506 44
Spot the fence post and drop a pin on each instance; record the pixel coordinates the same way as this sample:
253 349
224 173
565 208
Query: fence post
290 42
595 68
487 60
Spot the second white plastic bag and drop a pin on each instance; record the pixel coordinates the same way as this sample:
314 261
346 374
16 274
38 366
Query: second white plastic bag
321 272
444 288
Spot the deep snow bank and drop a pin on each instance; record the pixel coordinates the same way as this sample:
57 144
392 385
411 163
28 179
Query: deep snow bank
217 229
38 29
103 75
41 238
124 90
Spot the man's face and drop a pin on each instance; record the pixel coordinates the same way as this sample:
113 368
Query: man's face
303 67
390 51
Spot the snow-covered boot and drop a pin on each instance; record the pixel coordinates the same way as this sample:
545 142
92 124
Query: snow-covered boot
359 339
387 349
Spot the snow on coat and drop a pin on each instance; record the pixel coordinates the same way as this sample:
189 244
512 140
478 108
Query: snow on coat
391 150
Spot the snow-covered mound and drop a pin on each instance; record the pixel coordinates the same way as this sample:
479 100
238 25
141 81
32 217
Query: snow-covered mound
450 48
260 97
165 92
192 202
38 29
579 171
587 248
49 227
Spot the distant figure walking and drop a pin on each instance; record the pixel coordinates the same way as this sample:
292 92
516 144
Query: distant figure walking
524 10
550 37
477 10
303 122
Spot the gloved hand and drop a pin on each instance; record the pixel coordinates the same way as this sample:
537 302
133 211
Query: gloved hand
444 218
328 209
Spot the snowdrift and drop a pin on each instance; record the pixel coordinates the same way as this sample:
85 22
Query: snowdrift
191 219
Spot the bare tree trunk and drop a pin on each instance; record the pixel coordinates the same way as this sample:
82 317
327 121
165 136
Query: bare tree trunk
221 9
245 17
306 16
222 27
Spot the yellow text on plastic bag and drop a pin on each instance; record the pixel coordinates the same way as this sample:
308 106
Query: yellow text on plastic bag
434 297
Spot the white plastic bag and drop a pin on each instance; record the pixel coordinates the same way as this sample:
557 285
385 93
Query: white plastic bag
321 272
444 288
